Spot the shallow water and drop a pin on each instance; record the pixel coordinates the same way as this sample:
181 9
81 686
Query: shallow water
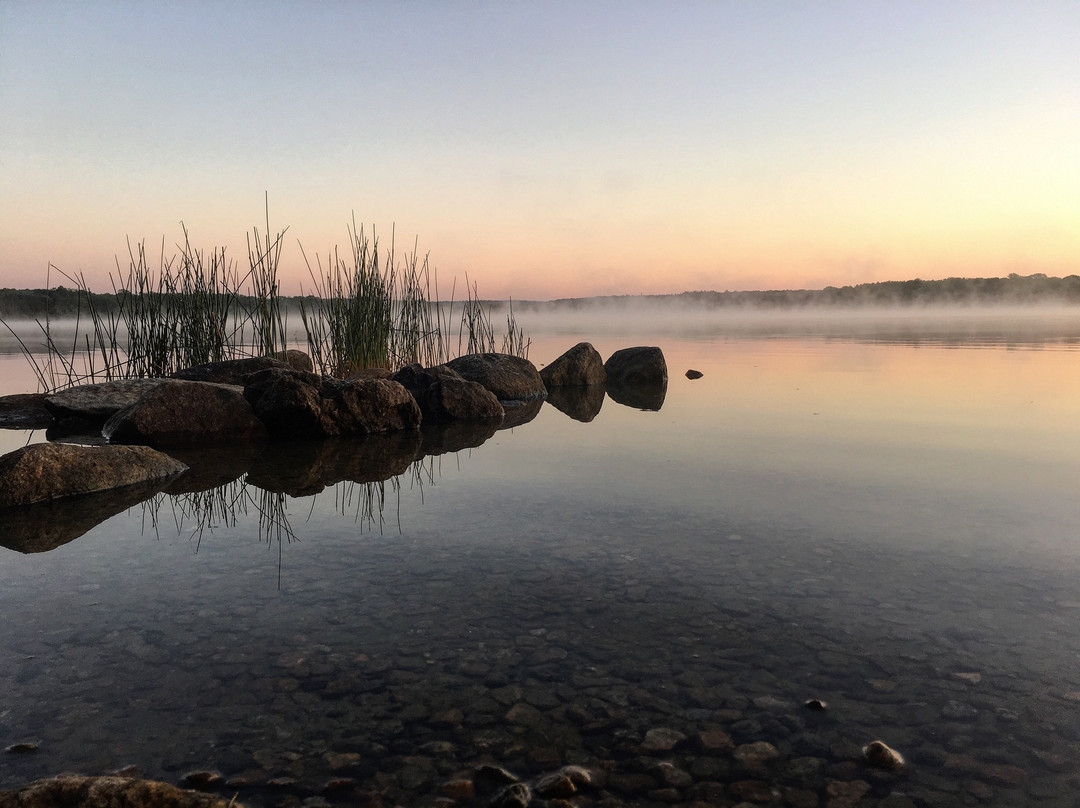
886 526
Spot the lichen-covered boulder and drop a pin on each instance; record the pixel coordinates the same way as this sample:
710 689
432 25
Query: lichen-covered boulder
302 405
509 378
581 366
640 365
67 791
180 413
46 471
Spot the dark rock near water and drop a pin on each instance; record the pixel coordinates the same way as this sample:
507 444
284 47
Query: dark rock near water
68 791
186 413
302 405
212 466
98 401
580 403
46 471
581 366
881 756
24 411
443 395
509 378
237 371
637 366
694 374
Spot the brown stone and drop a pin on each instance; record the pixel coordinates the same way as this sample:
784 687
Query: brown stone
580 366
107 792
509 378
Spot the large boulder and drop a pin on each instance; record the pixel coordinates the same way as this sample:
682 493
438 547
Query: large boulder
443 395
509 378
579 367
302 405
233 371
96 402
69 790
45 471
183 413
641 365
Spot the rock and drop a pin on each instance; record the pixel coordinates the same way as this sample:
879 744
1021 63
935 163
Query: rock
47 471
817 705
715 740
509 378
637 366
96 402
107 792
1003 774
488 777
845 794
694 374
185 413
303 405
443 395
24 411
233 371
580 403
755 755
579 367
756 791
297 360
555 784
515 795
203 779
662 739
439 439
881 756
21 748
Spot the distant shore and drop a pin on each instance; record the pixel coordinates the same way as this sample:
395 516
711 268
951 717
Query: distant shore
1013 290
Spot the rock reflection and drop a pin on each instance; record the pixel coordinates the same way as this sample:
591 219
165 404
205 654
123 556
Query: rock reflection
580 403
304 468
638 396
456 436
521 413
45 526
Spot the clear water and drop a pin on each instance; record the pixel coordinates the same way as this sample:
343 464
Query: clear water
886 524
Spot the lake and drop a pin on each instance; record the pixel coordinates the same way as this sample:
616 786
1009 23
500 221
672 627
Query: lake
876 512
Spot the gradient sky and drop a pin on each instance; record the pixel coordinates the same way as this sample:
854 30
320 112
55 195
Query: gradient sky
550 149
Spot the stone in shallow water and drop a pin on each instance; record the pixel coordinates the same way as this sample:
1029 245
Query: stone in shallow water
662 739
881 756
107 792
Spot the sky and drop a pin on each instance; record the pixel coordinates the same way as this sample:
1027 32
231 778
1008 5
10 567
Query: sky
547 149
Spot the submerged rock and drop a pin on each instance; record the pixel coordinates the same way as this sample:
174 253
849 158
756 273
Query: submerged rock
46 471
107 792
96 402
185 413
581 366
302 405
509 378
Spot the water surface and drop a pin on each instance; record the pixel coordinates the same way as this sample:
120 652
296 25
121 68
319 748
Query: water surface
881 523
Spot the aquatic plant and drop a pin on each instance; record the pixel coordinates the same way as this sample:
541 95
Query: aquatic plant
367 311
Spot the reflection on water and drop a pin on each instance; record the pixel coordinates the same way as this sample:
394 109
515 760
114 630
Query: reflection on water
888 528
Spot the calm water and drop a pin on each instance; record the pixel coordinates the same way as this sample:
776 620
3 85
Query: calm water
884 522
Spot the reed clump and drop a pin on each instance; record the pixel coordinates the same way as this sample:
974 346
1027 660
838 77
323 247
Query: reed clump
367 310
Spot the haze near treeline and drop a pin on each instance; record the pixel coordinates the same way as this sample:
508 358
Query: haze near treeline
549 150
